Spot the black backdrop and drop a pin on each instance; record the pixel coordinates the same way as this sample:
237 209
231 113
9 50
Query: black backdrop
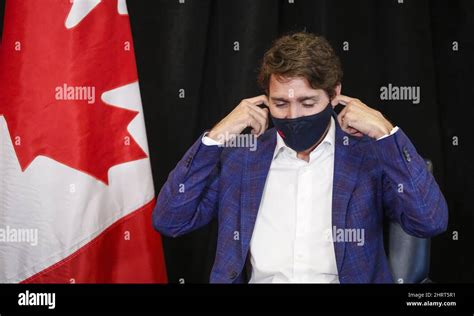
190 46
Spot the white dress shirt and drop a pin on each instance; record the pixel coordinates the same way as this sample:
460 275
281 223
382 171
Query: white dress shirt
292 238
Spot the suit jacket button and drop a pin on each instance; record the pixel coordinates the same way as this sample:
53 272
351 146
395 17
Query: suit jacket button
233 274
406 154
188 161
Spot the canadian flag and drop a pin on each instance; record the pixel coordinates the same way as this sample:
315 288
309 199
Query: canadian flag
76 191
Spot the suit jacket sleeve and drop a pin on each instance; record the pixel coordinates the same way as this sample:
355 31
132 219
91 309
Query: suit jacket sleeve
189 198
411 195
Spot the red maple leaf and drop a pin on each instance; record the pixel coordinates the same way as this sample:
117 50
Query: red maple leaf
39 54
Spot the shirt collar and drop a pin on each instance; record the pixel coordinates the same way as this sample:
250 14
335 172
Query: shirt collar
329 139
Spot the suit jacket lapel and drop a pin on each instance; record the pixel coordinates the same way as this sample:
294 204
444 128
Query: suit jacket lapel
347 160
256 166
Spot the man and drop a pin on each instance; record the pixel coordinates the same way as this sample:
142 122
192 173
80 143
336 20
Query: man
307 205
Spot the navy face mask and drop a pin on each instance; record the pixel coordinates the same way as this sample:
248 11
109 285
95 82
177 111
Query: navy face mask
303 132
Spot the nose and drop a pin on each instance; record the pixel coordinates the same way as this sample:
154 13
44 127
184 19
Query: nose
293 111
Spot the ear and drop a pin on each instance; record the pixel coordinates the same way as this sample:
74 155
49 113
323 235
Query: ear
337 89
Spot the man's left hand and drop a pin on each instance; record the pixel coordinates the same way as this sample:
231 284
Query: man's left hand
358 119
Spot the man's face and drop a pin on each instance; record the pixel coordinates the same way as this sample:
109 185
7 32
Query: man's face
294 97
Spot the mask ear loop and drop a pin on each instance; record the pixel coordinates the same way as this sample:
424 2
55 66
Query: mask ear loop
335 106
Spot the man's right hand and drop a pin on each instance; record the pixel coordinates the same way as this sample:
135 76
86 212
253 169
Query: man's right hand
246 114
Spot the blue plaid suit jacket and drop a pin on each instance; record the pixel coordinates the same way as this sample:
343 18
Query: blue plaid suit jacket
372 179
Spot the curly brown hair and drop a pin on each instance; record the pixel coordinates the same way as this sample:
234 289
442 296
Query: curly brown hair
304 55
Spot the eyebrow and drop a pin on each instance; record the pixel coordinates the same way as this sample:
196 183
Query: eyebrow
300 99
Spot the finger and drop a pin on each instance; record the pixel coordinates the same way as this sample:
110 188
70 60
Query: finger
258 116
343 99
354 132
254 123
261 112
344 111
339 120
262 121
267 121
345 126
259 100
343 122
341 115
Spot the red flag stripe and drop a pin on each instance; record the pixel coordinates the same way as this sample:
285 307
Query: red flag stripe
111 257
